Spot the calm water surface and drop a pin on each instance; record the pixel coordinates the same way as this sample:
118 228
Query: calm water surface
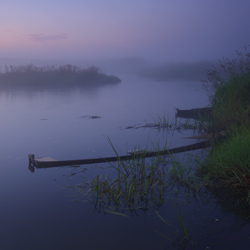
40 211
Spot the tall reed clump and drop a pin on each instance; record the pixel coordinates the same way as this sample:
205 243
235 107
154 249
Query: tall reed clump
140 183
231 102
136 184
229 98
228 163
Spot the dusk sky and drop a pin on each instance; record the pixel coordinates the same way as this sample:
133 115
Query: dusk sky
168 30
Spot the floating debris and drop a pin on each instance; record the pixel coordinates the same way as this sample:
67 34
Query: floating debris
91 116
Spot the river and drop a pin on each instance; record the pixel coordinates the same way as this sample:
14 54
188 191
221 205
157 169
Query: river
39 210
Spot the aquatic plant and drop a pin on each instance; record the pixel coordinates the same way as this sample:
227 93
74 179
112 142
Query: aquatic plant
138 183
164 123
179 241
181 220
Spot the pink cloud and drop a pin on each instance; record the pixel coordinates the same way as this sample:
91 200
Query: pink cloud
40 37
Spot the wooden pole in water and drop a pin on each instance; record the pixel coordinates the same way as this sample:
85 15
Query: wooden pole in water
31 159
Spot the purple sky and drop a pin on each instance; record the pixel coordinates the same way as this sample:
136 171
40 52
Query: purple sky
168 30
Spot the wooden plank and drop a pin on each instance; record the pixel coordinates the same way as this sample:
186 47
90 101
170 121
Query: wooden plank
47 163
198 113
45 159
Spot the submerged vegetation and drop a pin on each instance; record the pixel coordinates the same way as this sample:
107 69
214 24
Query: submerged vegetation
162 122
135 184
68 75
140 183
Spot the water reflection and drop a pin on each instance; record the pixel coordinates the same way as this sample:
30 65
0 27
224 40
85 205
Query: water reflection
142 187
50 123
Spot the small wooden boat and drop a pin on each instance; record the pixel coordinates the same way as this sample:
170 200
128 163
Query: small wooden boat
199 113
48 162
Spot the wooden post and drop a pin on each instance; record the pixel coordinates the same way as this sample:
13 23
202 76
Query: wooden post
31 159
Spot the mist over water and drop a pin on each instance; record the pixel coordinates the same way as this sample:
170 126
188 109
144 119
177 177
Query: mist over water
57 122
149 58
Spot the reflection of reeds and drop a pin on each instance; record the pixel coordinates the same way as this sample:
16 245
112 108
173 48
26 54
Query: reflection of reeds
162 122
178 240
181 220
137 183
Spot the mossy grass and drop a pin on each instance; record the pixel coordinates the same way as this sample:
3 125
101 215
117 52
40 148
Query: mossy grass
229 161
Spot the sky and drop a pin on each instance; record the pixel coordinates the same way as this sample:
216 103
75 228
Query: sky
164 30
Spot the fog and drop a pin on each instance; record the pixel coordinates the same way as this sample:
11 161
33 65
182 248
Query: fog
85 79
92 32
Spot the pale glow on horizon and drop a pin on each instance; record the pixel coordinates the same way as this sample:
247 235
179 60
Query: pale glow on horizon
158 29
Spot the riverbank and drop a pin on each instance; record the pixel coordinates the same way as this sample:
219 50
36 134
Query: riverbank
228 164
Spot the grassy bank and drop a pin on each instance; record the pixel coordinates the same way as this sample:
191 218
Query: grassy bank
228 164
31 76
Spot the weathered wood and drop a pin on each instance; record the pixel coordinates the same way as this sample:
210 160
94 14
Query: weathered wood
47 162
208 136
199 113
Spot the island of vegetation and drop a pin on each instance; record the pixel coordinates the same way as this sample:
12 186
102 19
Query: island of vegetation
64 76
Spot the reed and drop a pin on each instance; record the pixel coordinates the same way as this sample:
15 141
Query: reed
181 220
163 122
178 241
229 86
228 164
140 183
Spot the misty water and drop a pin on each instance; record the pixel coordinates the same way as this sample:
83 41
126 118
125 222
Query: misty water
40 211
